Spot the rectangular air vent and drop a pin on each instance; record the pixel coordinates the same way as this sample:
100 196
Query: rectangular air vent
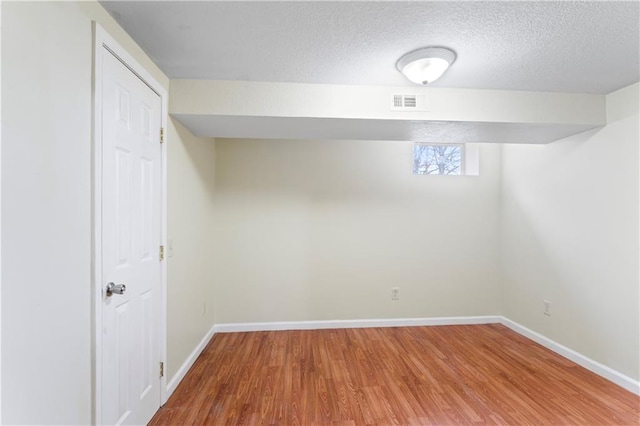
410 101
402 102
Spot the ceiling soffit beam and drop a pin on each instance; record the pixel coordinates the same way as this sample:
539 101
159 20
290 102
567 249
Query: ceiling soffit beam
239 98
290 110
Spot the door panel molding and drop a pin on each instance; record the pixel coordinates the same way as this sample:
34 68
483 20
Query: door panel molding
102 40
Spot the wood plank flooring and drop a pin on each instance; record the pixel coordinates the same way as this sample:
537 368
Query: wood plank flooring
444 375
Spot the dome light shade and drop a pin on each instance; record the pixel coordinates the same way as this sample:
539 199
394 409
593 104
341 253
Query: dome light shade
424 66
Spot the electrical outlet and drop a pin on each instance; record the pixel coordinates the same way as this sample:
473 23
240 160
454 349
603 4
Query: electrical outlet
204 308
547 308
395 293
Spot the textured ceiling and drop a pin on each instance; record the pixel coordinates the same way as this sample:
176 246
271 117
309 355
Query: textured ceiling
562 46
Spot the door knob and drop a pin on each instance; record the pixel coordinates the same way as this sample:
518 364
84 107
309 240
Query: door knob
115 289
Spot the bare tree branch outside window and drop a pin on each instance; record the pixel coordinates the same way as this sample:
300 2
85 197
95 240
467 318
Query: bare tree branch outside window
437 159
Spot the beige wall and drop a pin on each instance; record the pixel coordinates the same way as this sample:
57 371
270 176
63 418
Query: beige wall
321 230
191 175
570 236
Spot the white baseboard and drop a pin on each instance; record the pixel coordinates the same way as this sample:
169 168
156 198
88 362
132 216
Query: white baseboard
601 370
591 365
314 325
363 323
188 363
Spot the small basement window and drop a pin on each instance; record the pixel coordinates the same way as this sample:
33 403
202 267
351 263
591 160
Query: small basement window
438 159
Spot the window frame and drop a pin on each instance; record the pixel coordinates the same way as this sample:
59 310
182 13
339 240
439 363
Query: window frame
463 159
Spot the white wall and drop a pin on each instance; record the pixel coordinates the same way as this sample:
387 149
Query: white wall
46 214
191 177
321 230
570 236
46 208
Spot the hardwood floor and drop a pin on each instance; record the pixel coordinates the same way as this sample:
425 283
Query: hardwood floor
444 375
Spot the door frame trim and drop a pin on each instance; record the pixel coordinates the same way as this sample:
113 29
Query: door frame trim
103 40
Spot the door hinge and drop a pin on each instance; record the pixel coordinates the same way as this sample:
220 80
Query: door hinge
161 252
162 369
161 134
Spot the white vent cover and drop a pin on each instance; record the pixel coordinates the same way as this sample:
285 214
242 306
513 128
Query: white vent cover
411 102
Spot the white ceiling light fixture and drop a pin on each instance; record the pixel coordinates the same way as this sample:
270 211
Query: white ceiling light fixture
426 65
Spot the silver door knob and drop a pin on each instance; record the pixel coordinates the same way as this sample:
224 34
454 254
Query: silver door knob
115 289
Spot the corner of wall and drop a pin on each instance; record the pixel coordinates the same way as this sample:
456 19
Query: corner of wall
563 230
213 295
623 103
190 225
500 228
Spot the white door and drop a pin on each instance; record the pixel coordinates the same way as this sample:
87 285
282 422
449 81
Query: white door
131 221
